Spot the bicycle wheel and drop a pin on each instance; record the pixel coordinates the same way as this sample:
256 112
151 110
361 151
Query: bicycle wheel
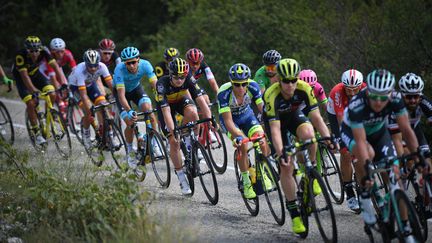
95 152
32 134
160 164
117 145
332 175
413 223
60 134
218 152
75 116
322 209
252 205
417 200
6 125
206 173
304 204
273 193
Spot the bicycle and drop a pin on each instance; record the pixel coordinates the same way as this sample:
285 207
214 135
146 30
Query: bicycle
74 116
194 167
309 202
389 208
260 167
51 124
6 123
108 137
145 153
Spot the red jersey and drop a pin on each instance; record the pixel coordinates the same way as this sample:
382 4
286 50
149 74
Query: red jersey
338 99
67 59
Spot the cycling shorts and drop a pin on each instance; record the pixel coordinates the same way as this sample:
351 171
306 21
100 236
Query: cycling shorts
177 107
92 92
38 80
137 96
247 123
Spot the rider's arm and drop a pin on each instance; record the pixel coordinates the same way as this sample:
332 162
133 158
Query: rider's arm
60 74
27 81
318 123
407 132
359 135
196 92
153 81
85 99
203 106
166 112
275 129
230 126
122 98
211 79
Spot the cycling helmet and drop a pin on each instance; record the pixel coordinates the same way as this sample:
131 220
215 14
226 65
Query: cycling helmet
352 78
271 57
178 66
288 68
107 44
171 53
380 81
91 58
129 53
194 55
57 44
410 83
309 76
239 71
33 43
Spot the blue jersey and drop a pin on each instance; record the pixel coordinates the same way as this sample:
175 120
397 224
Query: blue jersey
124 79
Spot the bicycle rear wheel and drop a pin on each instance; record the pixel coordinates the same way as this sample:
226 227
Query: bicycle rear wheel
95 152
413 223
75 116
60 134
117 145
304 204
417 200
273 193
217 151
6 125
32 134
206 173
322 209
252 205
331 173
160 164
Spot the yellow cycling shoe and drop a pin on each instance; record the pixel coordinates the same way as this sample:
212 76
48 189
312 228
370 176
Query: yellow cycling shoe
298 226
316 187
248 191
267 182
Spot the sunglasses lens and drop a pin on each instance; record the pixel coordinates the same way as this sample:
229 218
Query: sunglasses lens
179 77
378 97
131 63
289 81
410 97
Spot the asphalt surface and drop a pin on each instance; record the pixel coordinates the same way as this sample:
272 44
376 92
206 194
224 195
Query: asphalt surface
228 221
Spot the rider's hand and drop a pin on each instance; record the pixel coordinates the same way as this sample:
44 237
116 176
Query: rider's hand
35 94
285 160
132 115
7 80
238 141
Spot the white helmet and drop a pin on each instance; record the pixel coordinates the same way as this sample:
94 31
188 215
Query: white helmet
57 44
352 78
380 81
91 57
410 83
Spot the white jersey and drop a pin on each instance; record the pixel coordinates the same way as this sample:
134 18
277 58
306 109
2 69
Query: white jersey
81 77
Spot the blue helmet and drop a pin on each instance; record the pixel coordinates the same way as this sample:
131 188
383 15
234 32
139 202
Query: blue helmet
239 71
129 53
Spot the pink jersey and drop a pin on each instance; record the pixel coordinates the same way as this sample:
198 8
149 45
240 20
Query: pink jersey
319 93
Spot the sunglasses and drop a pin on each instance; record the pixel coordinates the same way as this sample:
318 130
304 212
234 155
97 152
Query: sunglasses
34 51
289 81
352 88
131 63
241 84
92 66
107 53
270 68
376 97
179 77
412 97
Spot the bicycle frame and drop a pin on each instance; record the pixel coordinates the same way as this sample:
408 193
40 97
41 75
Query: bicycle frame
49 118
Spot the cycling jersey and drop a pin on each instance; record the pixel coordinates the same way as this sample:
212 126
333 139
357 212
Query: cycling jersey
319 93
167 94
67 58
203 69
338 100
112 62
23 61
261 78
278 108
161 69
81 77
424 108
129 81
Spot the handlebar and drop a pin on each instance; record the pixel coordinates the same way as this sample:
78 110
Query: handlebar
102 106
192 124
300 146
253 139
385 164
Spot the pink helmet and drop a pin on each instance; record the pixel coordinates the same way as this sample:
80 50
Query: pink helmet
309 76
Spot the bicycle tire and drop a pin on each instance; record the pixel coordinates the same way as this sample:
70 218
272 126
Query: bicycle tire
75 116
188 169
205 169
32 136
331 173
277 208
60 132
332 237
418 203
165 165
219 167
252 205
95 152
304 205
117 134
413 219
7 119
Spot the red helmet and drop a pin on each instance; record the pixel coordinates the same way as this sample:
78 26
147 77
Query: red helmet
107 44
194 55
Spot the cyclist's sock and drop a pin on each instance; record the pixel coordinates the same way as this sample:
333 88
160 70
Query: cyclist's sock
86 131
187 140
181 175
292 208
129 147
349 189
245 176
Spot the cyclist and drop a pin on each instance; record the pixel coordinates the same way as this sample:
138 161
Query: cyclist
365 134
83 84
340 95
238 118
4 77
162 67
29 79
310 77
173 96
127 77
109 56
285 113
267 75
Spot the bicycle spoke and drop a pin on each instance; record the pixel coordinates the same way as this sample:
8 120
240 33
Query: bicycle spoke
206 174
160 164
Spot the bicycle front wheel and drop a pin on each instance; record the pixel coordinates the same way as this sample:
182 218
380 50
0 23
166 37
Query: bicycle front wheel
272 191
252 205
60 134
206 173
160 162
75 116
322 208
217 151
412 228
117 145
6 125
332 175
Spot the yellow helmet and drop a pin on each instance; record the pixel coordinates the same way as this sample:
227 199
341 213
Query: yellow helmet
178 66
288 68
33 43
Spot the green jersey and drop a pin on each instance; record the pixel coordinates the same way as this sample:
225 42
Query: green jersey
261 78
